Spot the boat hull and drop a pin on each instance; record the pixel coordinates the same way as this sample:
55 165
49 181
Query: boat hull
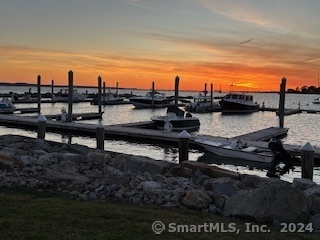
146 103
191 124
235 153
235 107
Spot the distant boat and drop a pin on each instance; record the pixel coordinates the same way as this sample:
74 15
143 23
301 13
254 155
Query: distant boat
238 103
151 100
176 120
202 104
6 106
109 99
63 96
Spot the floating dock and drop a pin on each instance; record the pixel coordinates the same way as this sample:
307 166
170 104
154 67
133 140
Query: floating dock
143 131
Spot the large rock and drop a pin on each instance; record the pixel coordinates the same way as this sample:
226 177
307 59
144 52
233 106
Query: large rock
197 199
269 203
303 183
100 158
138 164
315 222
58 176
222 186
252 181
9 161
313 195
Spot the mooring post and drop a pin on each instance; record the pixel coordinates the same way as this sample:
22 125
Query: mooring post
307 161
99 94
176 90
282 101
117 87
100 136
52 89
104 92
70 96
211 96
205 91
184 138
42 124
152 94
39 93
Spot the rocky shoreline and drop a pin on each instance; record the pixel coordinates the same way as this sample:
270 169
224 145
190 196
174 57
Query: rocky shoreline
85 174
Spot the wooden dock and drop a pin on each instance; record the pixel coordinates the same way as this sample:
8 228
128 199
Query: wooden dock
142 131
265 134
77 116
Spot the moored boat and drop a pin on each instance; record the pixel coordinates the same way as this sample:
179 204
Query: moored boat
63 96
202 104
237 149
151 100
6 106
238 103
176 120
108 99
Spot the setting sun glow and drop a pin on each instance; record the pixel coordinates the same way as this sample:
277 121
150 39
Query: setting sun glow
235 45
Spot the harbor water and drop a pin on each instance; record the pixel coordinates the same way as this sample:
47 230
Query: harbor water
303 127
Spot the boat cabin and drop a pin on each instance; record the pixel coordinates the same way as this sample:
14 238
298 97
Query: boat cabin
241 97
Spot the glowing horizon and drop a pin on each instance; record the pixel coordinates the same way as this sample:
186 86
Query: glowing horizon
250 44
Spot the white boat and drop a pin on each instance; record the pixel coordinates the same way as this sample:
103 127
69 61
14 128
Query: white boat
238 150
151 100
176 120
238 103
202 104
6 106
63 96
108 99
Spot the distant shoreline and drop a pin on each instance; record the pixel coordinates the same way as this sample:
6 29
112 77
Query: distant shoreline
19 84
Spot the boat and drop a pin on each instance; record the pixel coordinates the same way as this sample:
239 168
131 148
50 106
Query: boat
25 98
202 104
237 149
176 120
108 99
151 100
6 106
63 96
238 103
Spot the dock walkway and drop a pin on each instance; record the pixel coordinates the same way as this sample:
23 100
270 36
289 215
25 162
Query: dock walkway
141 131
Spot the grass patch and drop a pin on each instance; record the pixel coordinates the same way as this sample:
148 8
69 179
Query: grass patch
26 214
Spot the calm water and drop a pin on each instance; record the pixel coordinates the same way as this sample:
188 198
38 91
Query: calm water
303 127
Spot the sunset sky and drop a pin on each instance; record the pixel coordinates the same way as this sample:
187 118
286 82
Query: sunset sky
251 44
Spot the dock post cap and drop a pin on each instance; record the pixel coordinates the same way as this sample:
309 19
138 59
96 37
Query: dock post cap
184 134
100 125
42 118
307 148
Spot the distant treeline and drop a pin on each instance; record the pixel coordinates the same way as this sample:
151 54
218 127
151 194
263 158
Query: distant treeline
305 89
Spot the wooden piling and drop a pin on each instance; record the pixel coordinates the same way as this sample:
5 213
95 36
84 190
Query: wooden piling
39 93
307 161
152 93
42 125
104 92
282 101
176 90
205 90
52 89
70 97
100 136
99 94
184 138
117 87
211 96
